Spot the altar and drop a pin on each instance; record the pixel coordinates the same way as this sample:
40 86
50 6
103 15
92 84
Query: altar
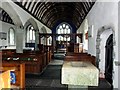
79 74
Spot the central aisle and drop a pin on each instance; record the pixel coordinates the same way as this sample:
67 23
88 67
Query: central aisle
50 78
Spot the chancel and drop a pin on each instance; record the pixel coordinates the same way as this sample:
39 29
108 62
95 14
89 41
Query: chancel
52 44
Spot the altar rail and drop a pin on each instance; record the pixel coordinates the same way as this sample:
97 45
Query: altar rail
80 57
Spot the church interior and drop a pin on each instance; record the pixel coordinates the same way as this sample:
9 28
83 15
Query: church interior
59 44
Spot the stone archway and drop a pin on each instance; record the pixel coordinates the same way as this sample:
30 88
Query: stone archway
32 22
7 7
98 42
12 13
43 39
43 29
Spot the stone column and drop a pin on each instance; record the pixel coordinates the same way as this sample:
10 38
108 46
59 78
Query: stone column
36 40
46 40
19 40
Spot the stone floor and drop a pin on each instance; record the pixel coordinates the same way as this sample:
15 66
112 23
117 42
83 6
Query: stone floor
50 78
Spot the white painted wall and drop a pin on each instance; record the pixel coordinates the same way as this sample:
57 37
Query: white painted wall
101 14
83 29
4 27
24 16
118 44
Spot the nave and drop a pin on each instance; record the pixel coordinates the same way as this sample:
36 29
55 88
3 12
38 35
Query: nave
31 34
50 78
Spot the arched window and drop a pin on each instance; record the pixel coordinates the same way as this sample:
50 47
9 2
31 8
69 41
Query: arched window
11 36
63 28
30 34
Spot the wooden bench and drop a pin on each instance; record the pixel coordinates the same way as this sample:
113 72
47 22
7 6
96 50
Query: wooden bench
5 80
18 69
76 54
35 61
80 57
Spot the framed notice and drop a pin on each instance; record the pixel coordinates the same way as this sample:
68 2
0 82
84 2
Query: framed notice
3 35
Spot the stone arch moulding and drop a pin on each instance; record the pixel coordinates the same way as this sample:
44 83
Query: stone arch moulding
98 42
32 22
43 29
13 14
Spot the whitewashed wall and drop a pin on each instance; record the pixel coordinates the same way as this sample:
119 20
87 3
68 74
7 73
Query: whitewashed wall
103 14
4 27
24 16
83 29
118 44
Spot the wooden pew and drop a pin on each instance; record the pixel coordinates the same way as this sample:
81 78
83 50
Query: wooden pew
76 54
19 70
5 80
35 61
80 57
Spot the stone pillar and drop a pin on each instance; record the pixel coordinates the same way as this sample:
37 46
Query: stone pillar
53 42
39 40
19 40
36 40
46 38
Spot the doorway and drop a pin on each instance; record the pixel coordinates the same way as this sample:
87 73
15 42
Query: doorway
109 59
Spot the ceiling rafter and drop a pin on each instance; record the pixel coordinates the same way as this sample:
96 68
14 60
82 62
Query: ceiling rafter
36 8
50 13
33 6
40 8
62 18
43 9
29 5
5 17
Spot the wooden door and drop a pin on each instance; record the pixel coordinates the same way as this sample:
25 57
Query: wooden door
109 59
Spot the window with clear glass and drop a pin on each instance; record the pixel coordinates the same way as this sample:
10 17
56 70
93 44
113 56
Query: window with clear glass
11 36
63 28
30 34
